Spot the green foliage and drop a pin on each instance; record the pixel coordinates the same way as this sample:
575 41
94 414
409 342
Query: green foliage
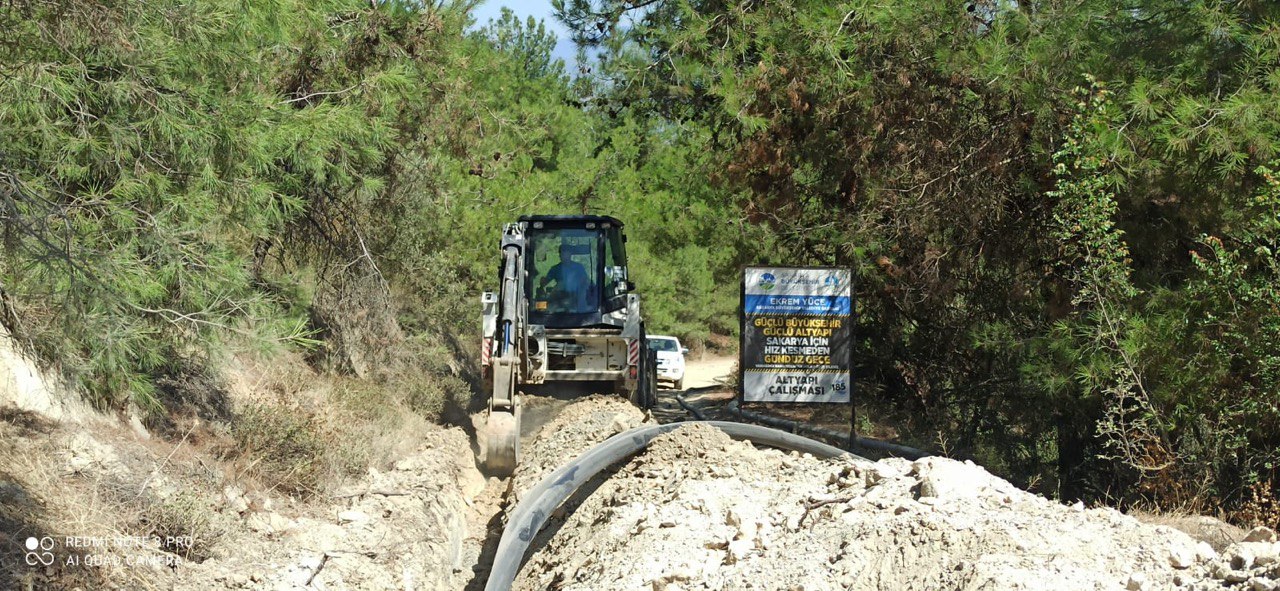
178 180
1215 345
1096 266
1023 282
528 44
142 157
1096 257
1077 290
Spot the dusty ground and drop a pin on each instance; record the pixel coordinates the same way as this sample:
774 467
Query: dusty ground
698 510
91 491
578 427
706 390
108 505
708 372
403 528
694 511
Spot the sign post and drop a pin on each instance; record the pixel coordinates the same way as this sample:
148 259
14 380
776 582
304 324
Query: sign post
796 334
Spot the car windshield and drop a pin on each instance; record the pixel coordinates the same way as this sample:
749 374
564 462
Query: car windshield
663 345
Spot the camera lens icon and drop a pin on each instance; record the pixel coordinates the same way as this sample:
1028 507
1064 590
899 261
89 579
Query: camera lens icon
38 551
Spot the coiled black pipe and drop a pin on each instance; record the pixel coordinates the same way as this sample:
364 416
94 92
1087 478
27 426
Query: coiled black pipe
532 512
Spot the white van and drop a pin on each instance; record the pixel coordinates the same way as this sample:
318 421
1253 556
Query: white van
670 359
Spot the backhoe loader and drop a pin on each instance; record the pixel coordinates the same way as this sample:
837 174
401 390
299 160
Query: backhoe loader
565 311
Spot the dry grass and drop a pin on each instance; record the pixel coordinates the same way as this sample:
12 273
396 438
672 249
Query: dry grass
185 516
1262 507
280 447
301 433
1215 532
97 482
291 432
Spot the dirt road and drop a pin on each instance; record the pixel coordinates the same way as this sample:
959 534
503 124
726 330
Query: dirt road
707 372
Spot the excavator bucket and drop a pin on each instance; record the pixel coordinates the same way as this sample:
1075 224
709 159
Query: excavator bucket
502 442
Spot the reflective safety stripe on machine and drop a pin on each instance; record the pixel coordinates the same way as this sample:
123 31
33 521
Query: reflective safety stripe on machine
633 357
484 350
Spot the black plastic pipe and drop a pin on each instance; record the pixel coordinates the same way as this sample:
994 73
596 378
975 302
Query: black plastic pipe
866 443
697 414
532 512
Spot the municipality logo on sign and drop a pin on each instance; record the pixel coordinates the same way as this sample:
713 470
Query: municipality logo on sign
832 281
767 281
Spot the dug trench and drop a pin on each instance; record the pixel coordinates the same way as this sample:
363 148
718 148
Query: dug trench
695 510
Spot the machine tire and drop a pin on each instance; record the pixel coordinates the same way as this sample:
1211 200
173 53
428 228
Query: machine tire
680 385
636 396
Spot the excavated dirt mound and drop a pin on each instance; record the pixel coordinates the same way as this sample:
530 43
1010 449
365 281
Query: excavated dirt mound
698 510
577 428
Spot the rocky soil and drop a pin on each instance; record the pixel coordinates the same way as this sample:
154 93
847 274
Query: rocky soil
108 505
576 429
399 529
700 511
696 510
402 528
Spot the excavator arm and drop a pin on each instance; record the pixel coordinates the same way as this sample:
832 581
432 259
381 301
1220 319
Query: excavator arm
505 324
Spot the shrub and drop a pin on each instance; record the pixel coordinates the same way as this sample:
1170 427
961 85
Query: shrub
280 447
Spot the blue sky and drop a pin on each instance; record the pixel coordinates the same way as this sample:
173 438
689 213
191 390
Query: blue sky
538 9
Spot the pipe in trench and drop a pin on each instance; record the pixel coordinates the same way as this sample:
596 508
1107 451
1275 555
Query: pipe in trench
532 512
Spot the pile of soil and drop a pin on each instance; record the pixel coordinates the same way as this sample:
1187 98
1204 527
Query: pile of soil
577 428
699 510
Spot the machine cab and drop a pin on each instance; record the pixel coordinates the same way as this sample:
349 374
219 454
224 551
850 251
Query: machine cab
576 270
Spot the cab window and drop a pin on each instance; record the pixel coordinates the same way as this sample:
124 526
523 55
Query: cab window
562 271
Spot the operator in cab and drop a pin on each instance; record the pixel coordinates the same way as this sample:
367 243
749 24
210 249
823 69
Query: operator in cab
567 282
